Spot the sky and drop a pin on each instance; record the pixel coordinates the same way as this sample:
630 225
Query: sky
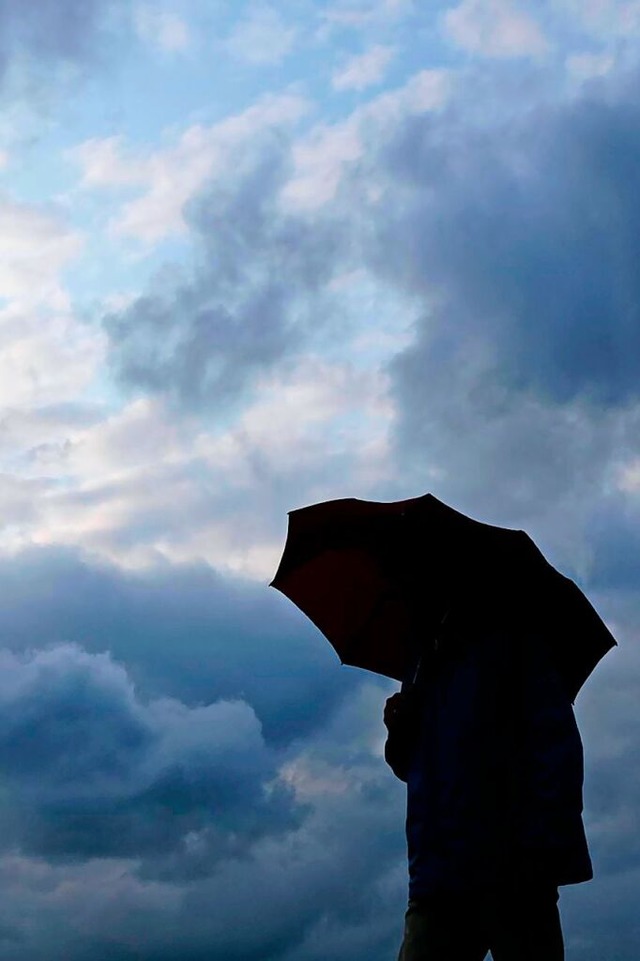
254 256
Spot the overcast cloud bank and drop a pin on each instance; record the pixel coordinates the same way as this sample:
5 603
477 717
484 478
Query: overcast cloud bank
396 254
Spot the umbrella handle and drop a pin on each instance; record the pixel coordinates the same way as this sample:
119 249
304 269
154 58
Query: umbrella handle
410 684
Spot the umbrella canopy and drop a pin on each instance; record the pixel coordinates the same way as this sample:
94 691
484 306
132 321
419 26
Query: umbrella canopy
377 578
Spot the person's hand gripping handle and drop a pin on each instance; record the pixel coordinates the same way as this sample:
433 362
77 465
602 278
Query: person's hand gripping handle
396 710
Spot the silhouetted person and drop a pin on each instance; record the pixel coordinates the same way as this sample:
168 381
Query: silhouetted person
486 740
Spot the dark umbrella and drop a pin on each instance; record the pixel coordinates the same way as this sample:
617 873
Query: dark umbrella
377 579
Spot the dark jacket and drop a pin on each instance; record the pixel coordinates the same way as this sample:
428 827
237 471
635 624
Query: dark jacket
493 762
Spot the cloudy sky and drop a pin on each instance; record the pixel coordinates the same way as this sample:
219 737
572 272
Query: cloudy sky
256 255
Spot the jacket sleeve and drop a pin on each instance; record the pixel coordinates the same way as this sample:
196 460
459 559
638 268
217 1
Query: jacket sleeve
553 775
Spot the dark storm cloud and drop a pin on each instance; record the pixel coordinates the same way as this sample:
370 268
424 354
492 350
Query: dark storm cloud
186 632
499 394
89 770
328 884
602 916
165 765
512 236
518 241
92 772
522 239
614 534
257 293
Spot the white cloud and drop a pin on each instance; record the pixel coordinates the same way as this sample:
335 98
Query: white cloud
605 18
46 357
494 28
261 37
105 163
322 157
162 29
628 479
361 13
35 245
424 91
364 70
586 66
143 485
173 174
170 176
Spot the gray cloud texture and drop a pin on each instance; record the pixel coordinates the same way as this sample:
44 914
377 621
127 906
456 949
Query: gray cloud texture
259 290
136 819
511 229
97 773
521 239
517 238
514 235
140 825
517 231
186 632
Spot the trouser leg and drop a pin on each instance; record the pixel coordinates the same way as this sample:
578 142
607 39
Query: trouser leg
444 929
525 926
